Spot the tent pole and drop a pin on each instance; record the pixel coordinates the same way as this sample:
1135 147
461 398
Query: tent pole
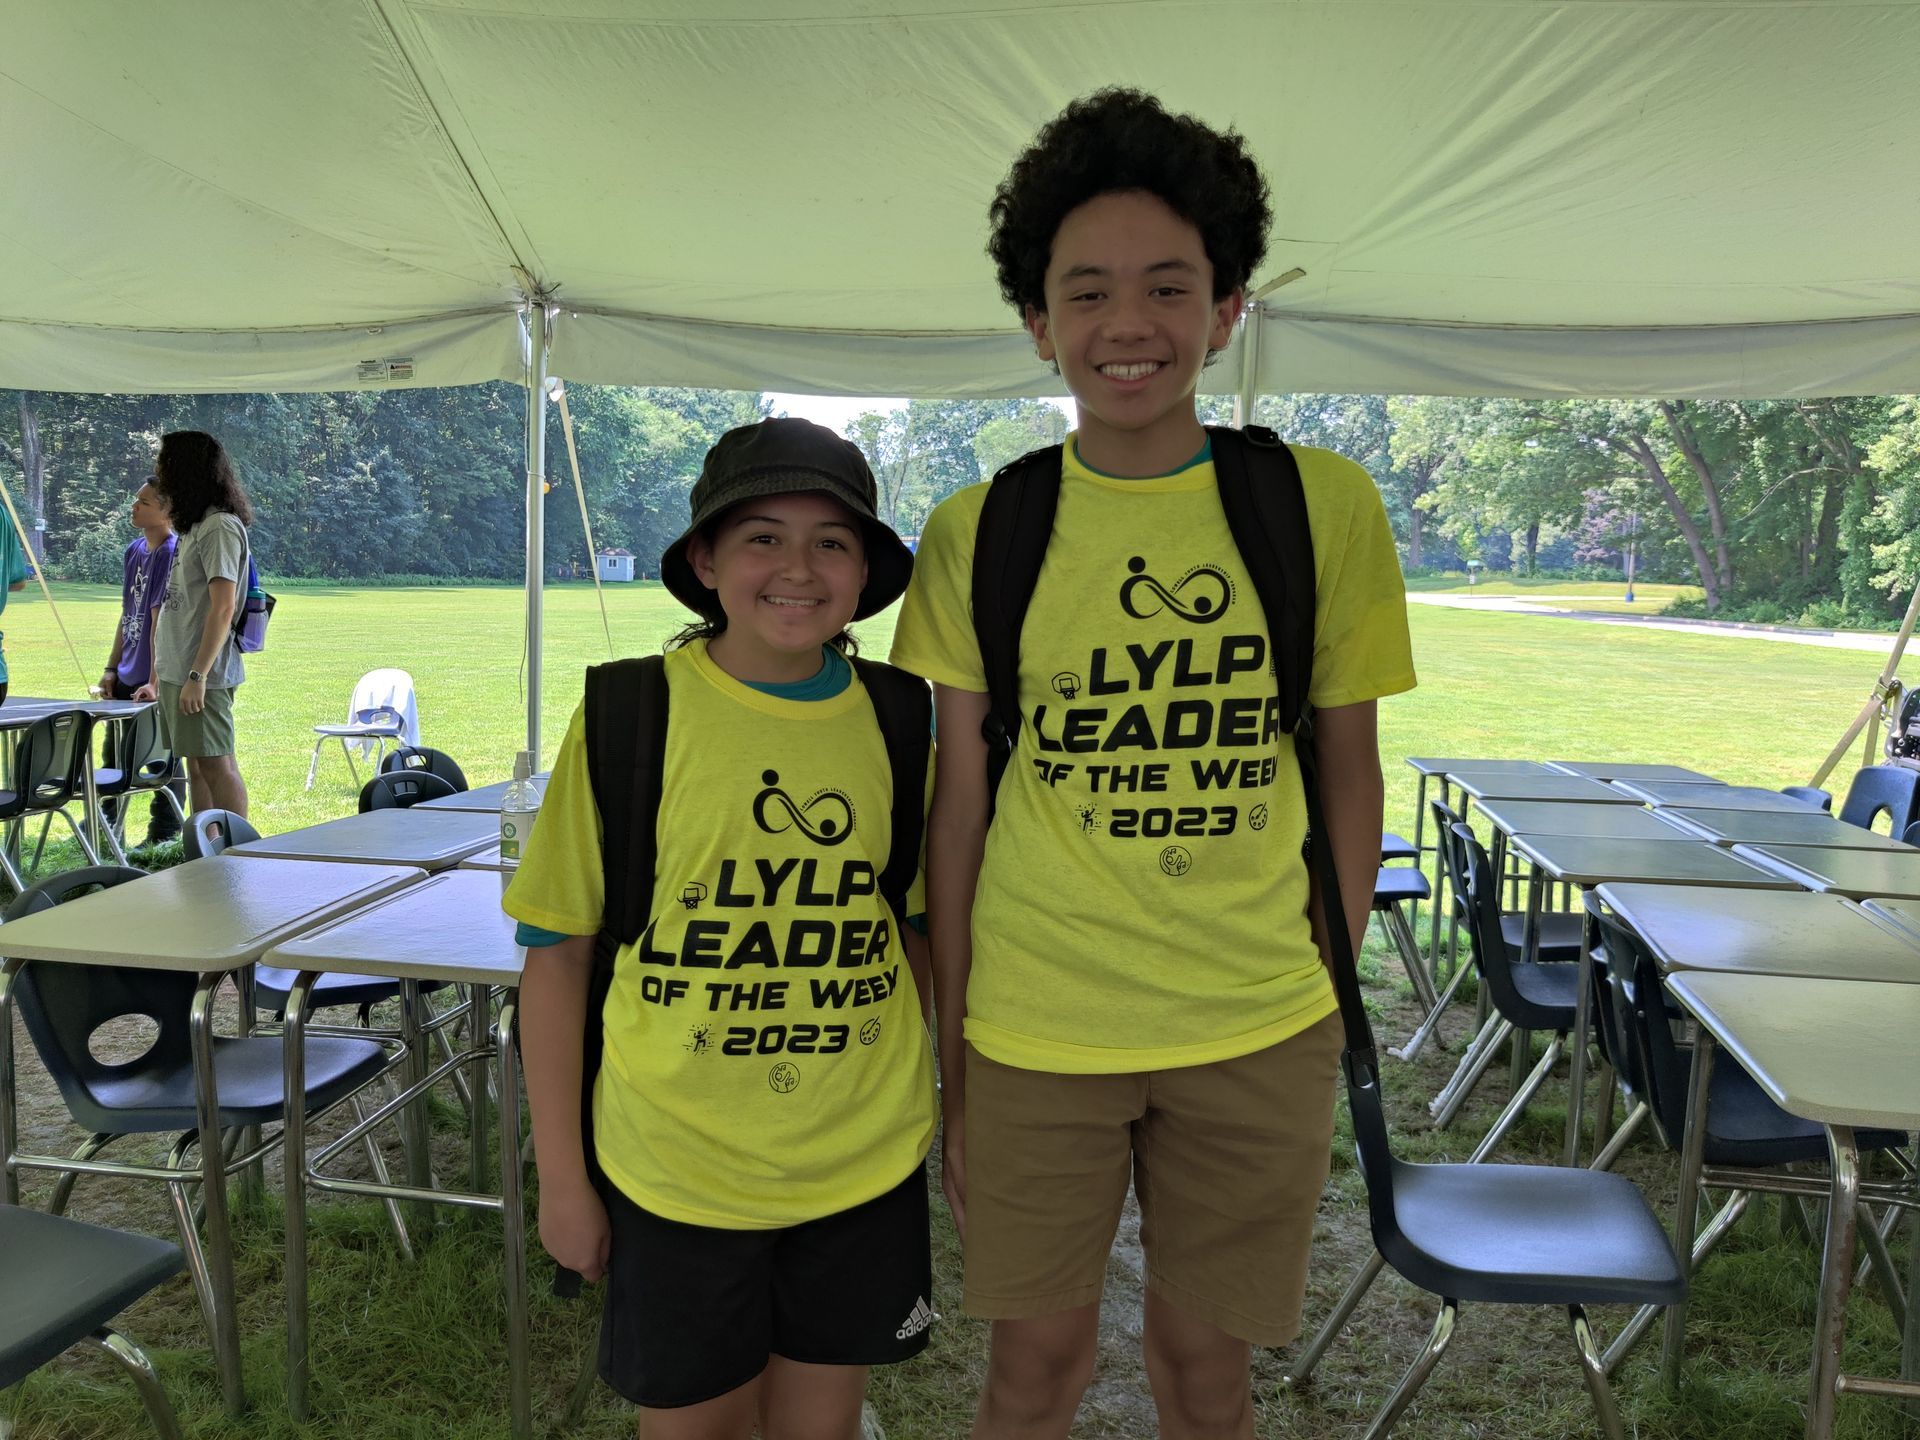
539 316
1869 713
1248 394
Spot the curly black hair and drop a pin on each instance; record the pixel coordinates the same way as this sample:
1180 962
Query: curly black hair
1121 139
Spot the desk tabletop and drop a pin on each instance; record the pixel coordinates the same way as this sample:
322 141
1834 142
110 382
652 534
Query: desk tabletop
1620 770
1901 916
431 839
17 711
1839 1052
1557 817
1716 797
487 797
489 859
1857 874
1427 765
1778 827
1567 789
1785 932
448 927
206 915
1675 860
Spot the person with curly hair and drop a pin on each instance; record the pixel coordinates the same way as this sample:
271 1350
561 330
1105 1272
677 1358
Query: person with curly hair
1129 963
196 664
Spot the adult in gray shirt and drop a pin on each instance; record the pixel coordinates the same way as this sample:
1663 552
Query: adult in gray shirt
196 665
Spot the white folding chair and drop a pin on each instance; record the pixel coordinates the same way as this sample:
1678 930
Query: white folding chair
382 709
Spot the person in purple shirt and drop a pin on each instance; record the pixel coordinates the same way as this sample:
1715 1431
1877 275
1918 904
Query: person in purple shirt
147 564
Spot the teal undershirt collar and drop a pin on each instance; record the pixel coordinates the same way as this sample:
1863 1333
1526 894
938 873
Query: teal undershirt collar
1204 454
833 676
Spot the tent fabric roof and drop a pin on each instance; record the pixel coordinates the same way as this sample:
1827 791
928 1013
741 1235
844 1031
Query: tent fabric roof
1486 196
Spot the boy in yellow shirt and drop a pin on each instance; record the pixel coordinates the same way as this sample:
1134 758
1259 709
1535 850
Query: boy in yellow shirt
1129 964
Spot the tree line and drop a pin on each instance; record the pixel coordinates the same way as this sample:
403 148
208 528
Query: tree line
1776 509
370 485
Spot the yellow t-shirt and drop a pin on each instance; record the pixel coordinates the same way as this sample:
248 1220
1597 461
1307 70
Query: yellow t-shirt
1142 900
766 1063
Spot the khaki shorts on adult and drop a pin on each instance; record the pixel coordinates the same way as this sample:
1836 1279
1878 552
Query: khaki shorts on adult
1228 1161
200 736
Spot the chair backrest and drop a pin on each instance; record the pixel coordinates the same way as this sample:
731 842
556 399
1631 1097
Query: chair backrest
424 759
1620 1022
1490 952
1812 794
211 831
142 759
63 1005
1892 789
50 763
390 690
399 789
1453 860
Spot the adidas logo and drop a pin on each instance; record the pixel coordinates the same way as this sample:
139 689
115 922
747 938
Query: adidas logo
921 1317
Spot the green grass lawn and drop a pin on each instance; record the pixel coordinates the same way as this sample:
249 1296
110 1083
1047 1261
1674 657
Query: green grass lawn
415 1352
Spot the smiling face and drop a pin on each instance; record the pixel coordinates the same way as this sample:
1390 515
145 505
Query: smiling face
789 570
1130 319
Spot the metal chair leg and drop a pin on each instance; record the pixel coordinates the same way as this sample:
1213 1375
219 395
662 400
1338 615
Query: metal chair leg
1300 1373
1446 1105
134 1361
1430 1025
1415 1377
377 1163
313 765
583 1384
1400 936
1595 1374
63 1187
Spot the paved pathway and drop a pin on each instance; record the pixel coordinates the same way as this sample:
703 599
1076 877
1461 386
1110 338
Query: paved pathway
1535 605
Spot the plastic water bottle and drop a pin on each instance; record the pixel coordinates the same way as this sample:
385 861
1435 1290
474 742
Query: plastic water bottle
518 809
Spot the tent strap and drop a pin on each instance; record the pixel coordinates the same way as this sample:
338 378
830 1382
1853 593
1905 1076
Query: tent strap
586 526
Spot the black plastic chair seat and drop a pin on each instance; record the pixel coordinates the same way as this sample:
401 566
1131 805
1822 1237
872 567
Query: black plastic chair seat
1559 934
1549 991
1745 1127
272 985
1397 847
145 1096
1528 1234
63 1280
1398 883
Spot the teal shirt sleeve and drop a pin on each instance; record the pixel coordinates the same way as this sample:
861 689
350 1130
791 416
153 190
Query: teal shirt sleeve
533 936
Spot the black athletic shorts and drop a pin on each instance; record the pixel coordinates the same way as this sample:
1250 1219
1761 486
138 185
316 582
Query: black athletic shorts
694 1312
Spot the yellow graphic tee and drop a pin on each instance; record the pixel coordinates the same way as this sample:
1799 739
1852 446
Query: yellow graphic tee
766 1063
1142 901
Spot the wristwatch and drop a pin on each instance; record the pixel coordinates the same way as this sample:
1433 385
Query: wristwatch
193 675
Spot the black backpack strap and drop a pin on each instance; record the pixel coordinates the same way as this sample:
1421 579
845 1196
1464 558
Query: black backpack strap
626 705
904 707
1266 506
1266 509
1015 525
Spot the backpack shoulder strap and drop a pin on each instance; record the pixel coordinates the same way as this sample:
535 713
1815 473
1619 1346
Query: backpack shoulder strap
904 707
1266 508
626 704
1016 522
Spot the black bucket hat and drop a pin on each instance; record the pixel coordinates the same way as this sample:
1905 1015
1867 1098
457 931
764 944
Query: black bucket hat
787 456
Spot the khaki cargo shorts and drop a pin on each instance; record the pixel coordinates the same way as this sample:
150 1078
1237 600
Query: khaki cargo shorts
1227 1160
197 737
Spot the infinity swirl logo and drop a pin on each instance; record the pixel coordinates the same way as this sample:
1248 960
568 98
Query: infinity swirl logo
1200 596
826 819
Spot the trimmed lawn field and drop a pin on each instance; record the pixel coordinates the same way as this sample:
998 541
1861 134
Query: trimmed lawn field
415 1352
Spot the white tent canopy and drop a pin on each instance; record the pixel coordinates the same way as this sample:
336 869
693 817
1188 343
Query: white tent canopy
1486 196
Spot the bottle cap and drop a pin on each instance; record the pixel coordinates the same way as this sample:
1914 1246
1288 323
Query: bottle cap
523 765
